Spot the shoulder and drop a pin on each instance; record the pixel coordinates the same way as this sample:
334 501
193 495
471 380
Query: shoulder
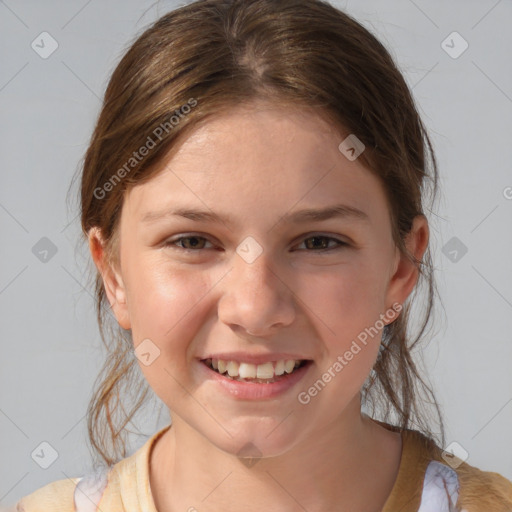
56 496
483 491
475 490
71 494
106 488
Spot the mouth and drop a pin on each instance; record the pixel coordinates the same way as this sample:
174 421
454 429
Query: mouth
265 373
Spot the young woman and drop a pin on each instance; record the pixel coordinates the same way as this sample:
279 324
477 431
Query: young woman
253 199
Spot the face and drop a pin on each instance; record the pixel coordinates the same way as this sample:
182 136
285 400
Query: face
256 277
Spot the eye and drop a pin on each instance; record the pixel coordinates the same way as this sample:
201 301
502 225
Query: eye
189 243
321 242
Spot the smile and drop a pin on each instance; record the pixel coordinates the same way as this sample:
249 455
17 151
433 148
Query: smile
259 373
248 381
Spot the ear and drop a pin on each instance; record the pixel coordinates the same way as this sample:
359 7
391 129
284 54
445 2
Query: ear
405 274
112 280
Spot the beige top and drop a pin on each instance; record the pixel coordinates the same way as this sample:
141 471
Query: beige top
421 485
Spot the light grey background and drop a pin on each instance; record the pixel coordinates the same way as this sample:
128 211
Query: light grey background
50 346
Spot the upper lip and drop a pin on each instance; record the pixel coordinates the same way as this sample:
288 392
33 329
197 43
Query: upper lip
241 357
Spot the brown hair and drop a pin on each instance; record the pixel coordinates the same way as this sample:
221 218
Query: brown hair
206 57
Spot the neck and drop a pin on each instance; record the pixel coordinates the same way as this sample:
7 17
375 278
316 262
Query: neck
350 465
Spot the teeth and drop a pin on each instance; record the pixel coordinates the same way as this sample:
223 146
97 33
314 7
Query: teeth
247 371
289 366
265 371
232 367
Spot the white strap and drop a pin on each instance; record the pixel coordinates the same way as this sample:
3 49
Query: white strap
440 489
89 490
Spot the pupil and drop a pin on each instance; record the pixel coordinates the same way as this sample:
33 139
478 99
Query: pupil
195 241
317 239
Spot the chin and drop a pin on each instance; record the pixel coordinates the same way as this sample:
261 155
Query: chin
254 438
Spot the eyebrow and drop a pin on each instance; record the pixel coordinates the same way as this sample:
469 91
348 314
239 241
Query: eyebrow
297 217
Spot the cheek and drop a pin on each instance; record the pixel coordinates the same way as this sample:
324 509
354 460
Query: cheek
347 308
346 299
163 301
169 308
347 304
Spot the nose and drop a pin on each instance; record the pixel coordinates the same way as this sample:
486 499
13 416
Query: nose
256 299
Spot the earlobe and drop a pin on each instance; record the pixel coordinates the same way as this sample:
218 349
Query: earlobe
112 279
406 272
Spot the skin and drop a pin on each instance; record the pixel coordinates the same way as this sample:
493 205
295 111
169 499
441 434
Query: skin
257 163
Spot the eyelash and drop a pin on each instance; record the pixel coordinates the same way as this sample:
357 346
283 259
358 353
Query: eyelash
340 243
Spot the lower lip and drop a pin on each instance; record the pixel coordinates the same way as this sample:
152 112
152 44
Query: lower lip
253 390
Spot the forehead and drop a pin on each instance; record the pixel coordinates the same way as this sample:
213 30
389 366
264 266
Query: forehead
260 158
